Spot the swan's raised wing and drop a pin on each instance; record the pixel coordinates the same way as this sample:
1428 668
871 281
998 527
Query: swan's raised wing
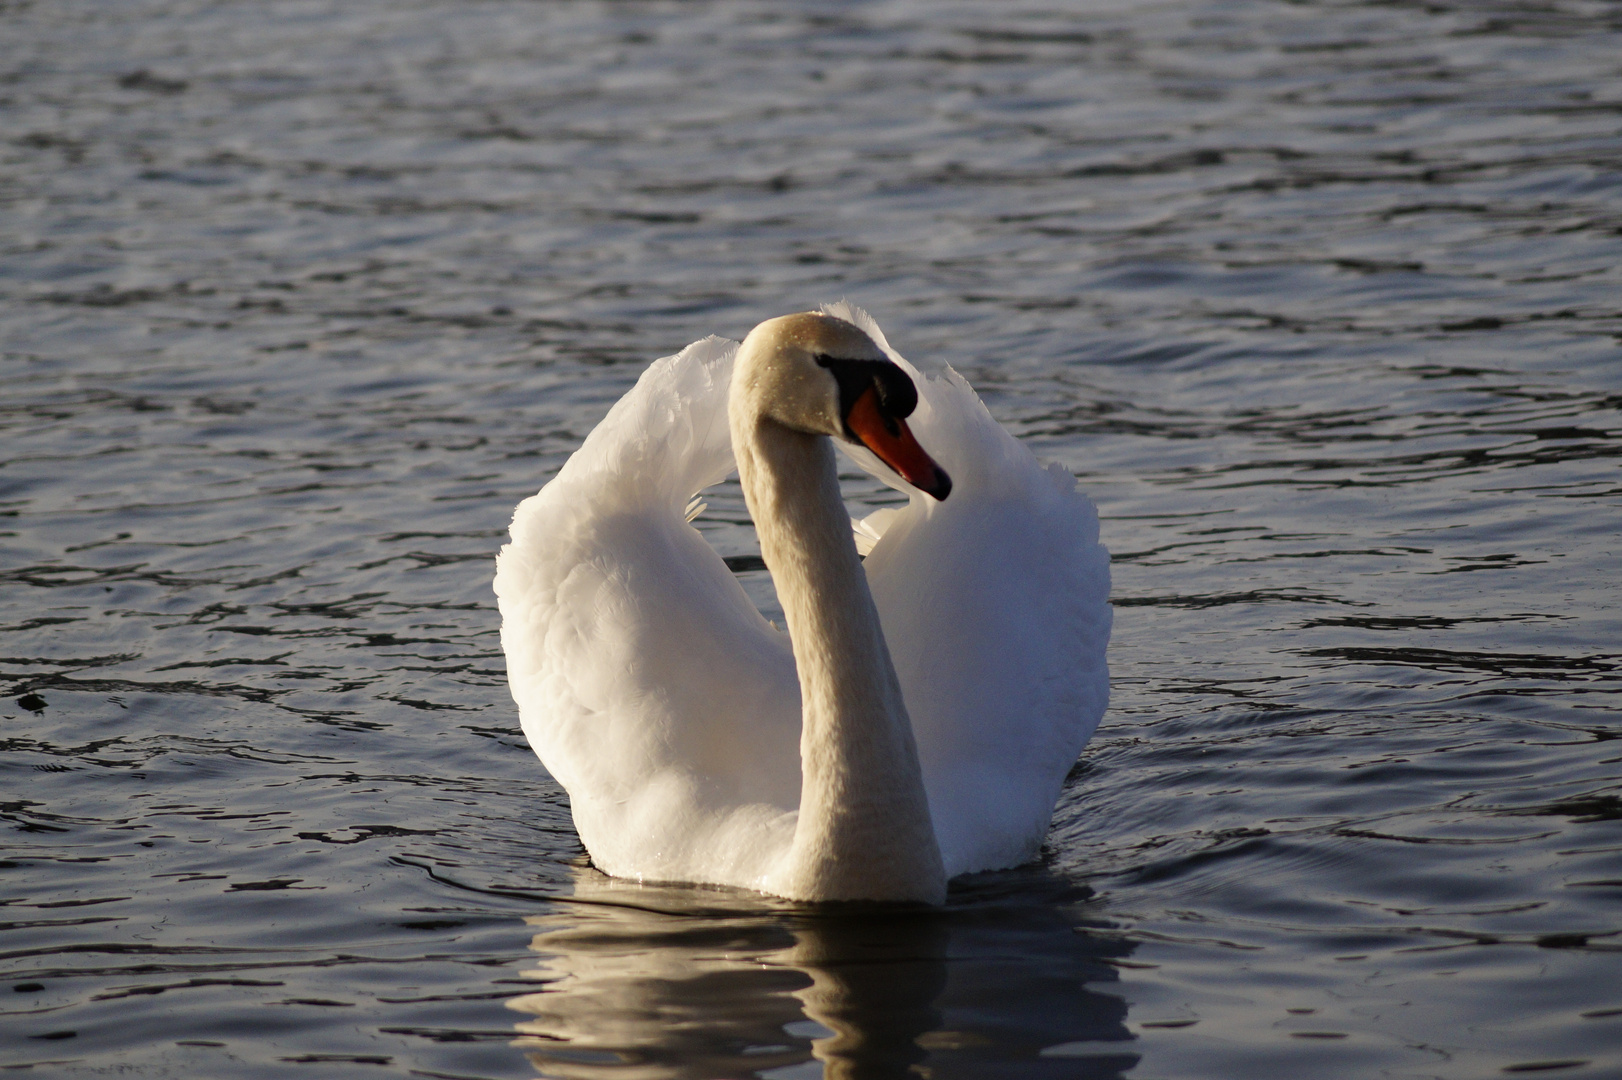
995 605
646 681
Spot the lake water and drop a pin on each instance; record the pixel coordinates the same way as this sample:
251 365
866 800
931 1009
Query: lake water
1321 301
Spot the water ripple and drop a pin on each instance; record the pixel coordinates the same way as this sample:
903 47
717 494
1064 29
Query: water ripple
1318 299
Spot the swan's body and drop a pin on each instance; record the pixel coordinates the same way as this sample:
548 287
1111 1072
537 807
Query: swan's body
671 710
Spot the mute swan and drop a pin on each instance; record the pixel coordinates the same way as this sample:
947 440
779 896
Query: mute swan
919 716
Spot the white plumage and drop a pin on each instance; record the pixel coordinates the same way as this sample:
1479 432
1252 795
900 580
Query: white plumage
657 695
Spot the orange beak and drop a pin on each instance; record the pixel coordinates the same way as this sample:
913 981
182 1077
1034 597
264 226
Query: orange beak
888 437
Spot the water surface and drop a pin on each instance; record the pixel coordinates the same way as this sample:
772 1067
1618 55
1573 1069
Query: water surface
1319 300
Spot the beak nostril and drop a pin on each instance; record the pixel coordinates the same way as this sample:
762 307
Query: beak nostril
888 437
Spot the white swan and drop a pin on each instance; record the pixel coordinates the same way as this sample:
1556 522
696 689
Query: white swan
696 743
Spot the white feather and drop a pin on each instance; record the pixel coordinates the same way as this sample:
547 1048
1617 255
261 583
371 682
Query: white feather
657 695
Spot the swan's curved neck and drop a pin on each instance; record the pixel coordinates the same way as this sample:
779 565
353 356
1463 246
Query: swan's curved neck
864 829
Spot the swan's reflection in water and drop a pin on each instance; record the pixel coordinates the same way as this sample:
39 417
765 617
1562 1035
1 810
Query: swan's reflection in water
646 982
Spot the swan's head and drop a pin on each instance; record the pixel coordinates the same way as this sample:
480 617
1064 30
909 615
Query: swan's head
821 375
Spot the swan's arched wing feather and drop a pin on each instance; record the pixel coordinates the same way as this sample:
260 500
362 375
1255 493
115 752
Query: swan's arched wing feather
646 681
995 605
669 709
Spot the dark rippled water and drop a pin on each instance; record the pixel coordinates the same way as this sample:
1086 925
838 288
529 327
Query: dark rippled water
1320 300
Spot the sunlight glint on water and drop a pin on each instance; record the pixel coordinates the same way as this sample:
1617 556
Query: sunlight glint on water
1318 299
